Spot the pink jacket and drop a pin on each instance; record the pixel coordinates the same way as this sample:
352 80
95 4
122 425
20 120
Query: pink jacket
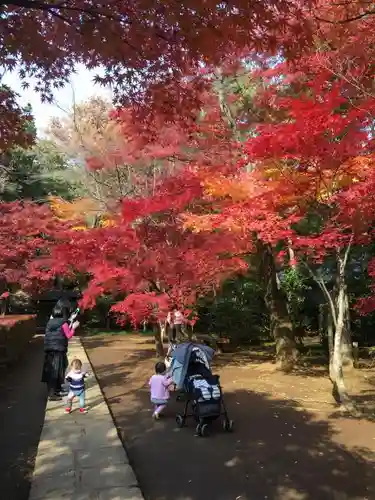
68 331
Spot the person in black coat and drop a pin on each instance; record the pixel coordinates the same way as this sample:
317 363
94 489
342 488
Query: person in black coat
57 334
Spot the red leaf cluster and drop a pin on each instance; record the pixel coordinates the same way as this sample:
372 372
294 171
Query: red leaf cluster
14 121
28 232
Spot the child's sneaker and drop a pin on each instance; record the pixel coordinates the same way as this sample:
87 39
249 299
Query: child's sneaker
83 410
68 410
155 416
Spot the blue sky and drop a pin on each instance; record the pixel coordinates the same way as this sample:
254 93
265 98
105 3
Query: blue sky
81 82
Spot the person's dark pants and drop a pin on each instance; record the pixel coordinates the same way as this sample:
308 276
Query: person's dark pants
178 331
54 369
171 334
174 333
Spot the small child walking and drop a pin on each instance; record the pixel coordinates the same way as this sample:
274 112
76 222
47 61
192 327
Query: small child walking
76 379
159 387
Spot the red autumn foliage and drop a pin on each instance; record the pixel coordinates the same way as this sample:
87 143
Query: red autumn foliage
14 121
27 234
147 260
137 41
136 45
147 267
311 155
148 50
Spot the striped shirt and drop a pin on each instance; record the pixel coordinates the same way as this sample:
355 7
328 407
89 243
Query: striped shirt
175 318
76 381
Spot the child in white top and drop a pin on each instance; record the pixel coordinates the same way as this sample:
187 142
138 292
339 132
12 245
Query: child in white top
76 378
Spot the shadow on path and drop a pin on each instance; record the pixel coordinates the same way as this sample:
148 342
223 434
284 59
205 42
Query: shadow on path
22 406
279 450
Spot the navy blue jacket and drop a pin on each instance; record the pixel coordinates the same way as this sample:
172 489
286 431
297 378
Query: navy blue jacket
55 339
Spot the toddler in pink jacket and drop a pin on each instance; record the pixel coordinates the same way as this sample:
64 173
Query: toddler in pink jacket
159 387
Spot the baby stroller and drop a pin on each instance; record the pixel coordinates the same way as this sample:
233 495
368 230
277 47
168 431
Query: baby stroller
198 387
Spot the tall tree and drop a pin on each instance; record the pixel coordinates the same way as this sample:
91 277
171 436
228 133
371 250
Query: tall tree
37 172
115 156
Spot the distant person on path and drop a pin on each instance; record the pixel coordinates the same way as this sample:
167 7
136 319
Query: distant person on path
76 378
159 387
175 320
57 334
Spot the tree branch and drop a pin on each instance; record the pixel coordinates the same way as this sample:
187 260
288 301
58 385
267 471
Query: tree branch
370 12
324 289
347 251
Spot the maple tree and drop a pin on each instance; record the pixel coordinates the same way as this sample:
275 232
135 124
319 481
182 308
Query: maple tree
147 262
85 133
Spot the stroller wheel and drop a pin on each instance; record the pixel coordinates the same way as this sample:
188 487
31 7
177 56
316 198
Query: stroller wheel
205 431
228 425
180 421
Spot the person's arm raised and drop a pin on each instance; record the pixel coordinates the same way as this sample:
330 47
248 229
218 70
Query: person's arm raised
69 331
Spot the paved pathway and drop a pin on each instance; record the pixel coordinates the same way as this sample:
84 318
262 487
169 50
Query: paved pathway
80 457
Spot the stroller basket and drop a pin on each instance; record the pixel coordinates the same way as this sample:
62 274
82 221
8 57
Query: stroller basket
203 411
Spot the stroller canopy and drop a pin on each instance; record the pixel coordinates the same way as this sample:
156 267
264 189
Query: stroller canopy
183 355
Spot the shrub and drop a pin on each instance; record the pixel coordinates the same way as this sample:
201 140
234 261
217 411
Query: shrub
15 334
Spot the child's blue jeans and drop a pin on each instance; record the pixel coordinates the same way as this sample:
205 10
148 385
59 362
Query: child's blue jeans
80 395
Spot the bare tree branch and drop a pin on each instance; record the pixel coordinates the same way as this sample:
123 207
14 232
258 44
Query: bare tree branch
366 13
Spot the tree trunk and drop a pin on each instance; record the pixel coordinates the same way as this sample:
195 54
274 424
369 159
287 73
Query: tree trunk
163 330
190 332
321 320
339 391
108 321
292 256
281 325
331 336
159 347
346 344
346 340
337 315
286 348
